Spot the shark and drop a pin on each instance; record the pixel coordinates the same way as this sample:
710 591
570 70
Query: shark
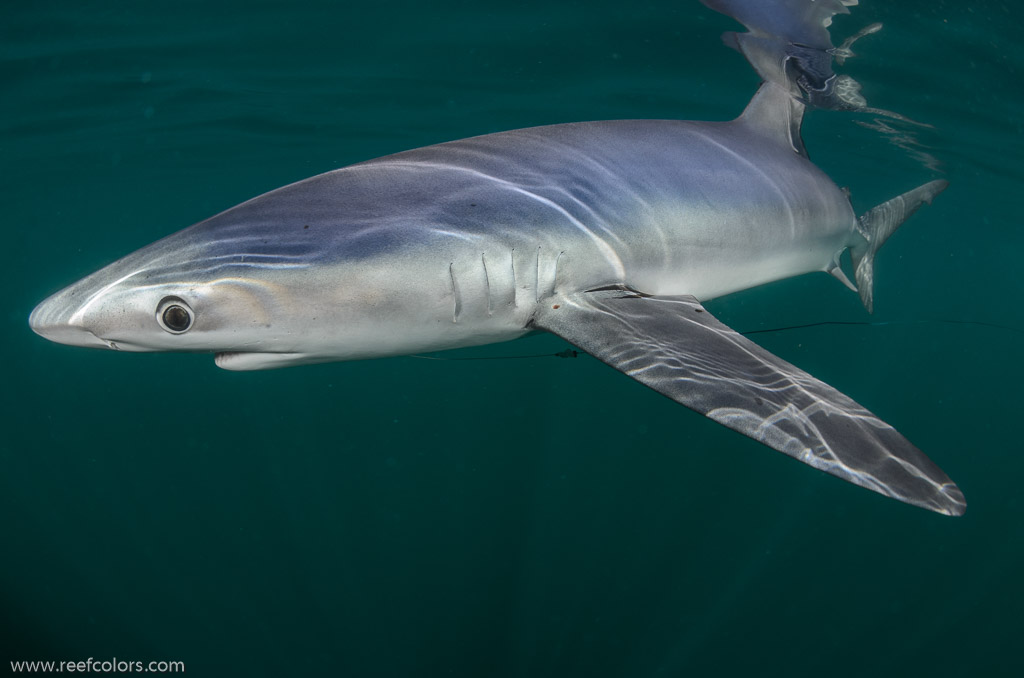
609 234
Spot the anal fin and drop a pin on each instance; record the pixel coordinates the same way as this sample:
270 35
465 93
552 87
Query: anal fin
674 346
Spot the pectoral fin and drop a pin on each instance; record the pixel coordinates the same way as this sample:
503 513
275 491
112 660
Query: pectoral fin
676 347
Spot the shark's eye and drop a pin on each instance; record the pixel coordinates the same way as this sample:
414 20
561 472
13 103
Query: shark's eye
174 315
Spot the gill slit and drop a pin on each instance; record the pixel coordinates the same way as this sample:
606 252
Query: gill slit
515 283
554 274
536 278
487 284
455 294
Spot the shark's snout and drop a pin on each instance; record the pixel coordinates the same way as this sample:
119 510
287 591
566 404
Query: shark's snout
54 319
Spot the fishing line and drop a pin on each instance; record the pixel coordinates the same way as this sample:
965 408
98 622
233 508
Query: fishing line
567 353
885 322
572 353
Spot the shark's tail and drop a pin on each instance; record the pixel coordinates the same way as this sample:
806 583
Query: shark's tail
875 227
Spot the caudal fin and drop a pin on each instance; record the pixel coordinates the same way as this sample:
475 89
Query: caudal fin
875 227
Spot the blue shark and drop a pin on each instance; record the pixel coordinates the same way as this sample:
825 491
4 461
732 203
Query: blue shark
609 234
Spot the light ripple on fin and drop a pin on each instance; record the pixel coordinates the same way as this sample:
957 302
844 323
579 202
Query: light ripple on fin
673 345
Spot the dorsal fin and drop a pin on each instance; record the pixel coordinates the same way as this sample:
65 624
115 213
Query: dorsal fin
774 113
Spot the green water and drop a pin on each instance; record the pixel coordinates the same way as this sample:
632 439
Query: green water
535 517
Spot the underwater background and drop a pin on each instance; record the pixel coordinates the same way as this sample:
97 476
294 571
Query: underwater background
528 517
